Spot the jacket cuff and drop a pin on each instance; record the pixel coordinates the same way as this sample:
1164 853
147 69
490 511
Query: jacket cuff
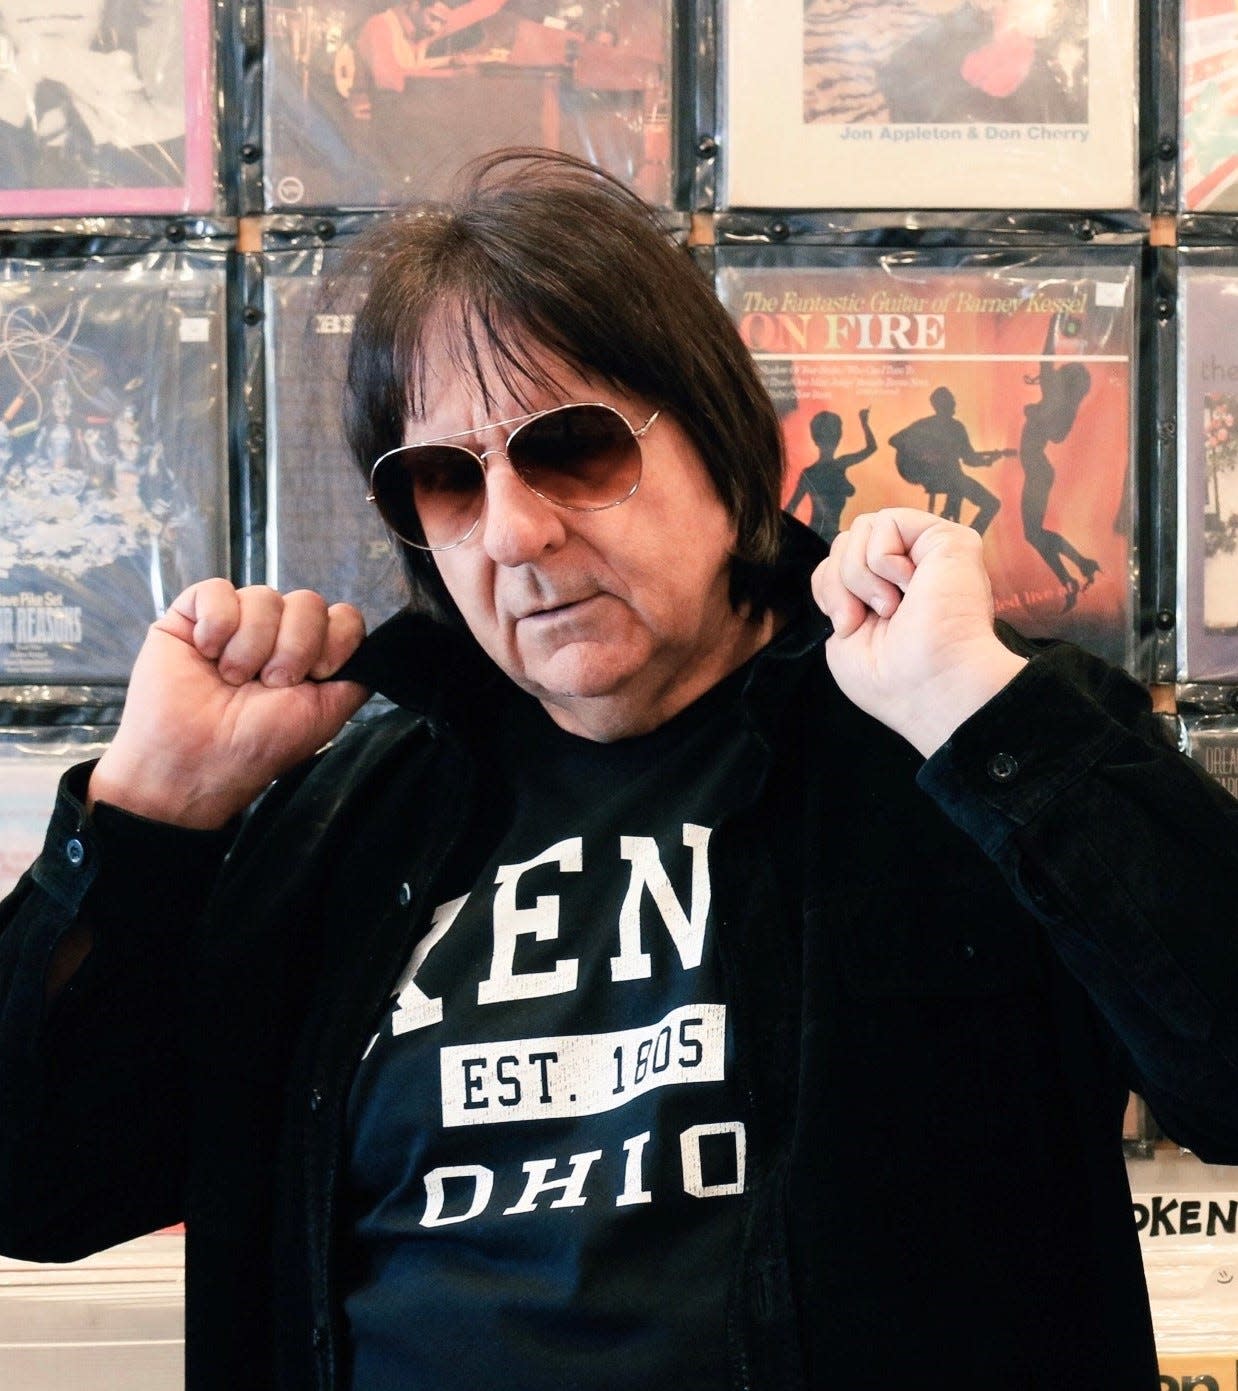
133 869
1019 751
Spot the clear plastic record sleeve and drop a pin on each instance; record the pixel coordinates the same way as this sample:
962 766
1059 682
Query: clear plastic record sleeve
366 106
107 108
992 388
1212 741
1207 491
930 104
321 532
31 764
113 455
1208 106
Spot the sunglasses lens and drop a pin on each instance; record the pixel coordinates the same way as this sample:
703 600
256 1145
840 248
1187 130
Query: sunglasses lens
430 494
584 457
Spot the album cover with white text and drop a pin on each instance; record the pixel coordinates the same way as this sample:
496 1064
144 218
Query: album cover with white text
930 104
993 389
113 455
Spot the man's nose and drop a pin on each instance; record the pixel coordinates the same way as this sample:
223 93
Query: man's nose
517 524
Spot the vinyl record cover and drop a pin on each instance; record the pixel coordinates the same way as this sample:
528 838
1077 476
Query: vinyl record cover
995 393
1208 92
1207 472
367 105
321 532
31 764
113 458
106 106
1212 741
930 104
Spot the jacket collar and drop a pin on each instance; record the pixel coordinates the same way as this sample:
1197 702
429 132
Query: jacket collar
438 671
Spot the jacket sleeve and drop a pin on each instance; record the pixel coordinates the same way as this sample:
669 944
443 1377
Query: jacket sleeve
92 1095
1127 852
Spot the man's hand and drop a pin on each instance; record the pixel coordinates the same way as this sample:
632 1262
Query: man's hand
912 609
224 697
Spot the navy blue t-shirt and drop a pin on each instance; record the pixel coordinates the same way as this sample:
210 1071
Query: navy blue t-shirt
547 1143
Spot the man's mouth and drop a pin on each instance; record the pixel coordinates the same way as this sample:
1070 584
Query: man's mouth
559 606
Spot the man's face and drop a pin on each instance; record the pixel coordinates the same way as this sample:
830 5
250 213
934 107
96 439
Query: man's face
614 619
73 22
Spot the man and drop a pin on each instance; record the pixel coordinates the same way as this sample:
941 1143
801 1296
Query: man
628 1007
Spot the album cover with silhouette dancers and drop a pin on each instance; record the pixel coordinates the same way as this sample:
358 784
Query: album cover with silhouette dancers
1207 471
106 107
369 103
321 532
113 450
930 104
1208 98
996 394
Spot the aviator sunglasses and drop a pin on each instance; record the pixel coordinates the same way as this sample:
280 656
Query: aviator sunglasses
584 456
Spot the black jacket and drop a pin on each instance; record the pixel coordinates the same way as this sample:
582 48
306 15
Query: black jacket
944 976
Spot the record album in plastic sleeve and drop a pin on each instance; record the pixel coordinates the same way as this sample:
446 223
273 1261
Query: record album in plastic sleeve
1207 432
322 534
1212 741
994 391
367 105
930 104
106 106
112 456
1208 92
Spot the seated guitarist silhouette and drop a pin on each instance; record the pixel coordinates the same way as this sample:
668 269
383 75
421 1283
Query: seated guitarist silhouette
933 452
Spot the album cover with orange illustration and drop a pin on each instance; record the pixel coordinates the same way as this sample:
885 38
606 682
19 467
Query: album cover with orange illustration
991 389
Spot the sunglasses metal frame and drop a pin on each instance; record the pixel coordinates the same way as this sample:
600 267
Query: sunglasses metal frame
520 422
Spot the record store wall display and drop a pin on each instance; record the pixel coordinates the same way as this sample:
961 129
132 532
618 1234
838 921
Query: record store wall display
112 454
107 107
1208 106
366 106
992 388
1207 494
31 764
321 533
930 104
1212 740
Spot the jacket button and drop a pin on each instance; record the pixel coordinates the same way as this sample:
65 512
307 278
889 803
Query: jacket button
318 1337
1002 767
315 1100
404 896
74 852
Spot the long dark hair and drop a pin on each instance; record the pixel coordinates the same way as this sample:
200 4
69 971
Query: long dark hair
543 250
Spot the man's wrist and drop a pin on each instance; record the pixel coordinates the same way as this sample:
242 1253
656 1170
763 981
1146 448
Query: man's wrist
943 705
